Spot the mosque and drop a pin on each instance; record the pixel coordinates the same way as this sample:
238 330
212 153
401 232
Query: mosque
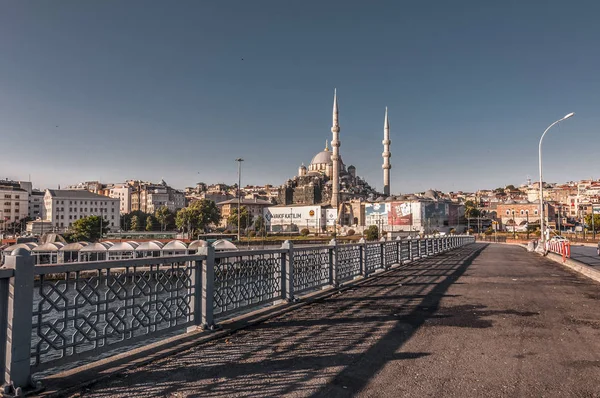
326 181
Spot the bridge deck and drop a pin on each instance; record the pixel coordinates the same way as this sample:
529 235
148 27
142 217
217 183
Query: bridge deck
484 320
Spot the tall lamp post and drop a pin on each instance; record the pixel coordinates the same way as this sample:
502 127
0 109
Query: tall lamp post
239 193
514 224
542 232
527 215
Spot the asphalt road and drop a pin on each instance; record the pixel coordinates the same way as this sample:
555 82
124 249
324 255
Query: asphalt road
586 254
484 320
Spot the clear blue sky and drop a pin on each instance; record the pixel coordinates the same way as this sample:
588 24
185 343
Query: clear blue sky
113 90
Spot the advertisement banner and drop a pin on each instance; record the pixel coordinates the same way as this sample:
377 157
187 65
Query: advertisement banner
376 213
596 209
331 217
400 213
299 216
434 214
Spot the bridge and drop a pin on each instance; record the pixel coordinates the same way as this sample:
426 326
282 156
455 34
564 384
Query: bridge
427 317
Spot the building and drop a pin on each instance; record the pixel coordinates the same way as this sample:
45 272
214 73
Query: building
148 197
36 204
63 207
123 193
14 206
255 208
517 215
326 180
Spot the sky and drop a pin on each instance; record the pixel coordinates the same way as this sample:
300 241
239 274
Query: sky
114 90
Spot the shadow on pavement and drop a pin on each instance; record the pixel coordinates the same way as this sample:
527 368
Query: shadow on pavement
332 347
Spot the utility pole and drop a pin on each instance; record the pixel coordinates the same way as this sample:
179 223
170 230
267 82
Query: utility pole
239 193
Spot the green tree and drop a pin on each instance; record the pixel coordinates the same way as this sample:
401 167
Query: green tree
88 228
197 216
162 215
233 218
135 223
588 222
259 223
150 223
372 233
510 187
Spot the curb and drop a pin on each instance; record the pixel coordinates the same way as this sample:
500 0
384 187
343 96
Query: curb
577 266
59 385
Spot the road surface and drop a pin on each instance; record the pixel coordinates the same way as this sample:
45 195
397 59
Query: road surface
485 320
586 254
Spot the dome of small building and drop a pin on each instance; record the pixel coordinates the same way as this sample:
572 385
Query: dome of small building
431 194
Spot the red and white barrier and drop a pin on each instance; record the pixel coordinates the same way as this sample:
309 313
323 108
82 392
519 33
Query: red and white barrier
562 247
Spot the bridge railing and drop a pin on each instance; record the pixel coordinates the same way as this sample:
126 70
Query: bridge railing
61 314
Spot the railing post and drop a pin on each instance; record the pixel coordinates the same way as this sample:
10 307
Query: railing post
20 312
363 257
196 284
333 280
419 248
208 287
288 271
399 250
384 265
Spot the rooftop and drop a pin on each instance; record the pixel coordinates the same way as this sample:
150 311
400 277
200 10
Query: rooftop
77 193
245 202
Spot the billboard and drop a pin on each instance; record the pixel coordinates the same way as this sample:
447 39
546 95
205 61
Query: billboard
400 213
300 216
376 213
330 217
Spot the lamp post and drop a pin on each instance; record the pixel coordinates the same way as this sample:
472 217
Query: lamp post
527 215
542 233
514 224
239 160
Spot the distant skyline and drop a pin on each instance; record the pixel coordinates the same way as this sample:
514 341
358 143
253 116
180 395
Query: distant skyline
146 90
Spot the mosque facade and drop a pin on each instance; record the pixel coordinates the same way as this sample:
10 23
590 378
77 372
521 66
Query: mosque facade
327 181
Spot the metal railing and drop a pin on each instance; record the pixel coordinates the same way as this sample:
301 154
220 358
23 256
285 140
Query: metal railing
60 314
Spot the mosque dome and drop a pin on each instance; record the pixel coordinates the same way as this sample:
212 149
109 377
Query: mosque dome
324 157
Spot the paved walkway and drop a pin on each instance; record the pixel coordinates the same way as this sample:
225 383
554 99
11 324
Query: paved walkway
485 320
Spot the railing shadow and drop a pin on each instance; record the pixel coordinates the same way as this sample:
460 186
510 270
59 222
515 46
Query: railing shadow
329 348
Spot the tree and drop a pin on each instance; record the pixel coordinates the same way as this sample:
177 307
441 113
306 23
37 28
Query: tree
88 228
150 223
233 218
259 223
372 233
510 187
135 223
162 215
588 222
197 216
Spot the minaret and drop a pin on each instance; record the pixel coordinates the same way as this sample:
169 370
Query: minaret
335 156
386 155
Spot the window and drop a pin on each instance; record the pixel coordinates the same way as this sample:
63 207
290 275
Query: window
62 216
522 212
535 212
17 196
81 209
85 209
57 216
70 217
7 203
508 212
6 196
112 217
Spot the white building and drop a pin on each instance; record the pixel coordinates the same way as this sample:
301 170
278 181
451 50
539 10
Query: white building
14 206
123 193
36 204
64 207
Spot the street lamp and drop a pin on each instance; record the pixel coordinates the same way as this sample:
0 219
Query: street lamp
514 225
543 235
527 214
239 160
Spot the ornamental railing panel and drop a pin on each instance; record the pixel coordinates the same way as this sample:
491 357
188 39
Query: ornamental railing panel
391 253
311 268
373 256
348 262
81 312
404 250
243 282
